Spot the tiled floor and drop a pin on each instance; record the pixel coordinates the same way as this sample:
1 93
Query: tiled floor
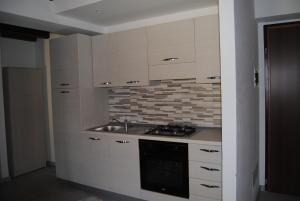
266 196
42 185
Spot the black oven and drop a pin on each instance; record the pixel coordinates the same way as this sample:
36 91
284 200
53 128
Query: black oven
164 167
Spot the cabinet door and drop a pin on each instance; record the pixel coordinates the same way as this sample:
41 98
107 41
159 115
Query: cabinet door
171 52
66 78
66 110
207 49
103 60
67 148
64 52
172 40
124 162
94 159
131 58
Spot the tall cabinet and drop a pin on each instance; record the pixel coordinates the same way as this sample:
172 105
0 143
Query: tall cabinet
77 105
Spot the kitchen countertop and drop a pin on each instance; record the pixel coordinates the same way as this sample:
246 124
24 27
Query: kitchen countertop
203 135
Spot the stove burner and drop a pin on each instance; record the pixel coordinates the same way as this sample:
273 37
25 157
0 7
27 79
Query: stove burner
171 130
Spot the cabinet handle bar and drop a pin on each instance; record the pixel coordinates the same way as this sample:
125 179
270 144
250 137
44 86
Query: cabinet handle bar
210 186
210 169
209 151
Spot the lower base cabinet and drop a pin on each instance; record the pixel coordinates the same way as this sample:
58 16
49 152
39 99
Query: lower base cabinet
198 198
105 162
124 164
112 163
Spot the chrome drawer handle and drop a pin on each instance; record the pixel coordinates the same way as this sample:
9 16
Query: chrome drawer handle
133 82
106 83
64 84
171 59
122 141
64 92
214 77
94 138
209 151
210 186
210 169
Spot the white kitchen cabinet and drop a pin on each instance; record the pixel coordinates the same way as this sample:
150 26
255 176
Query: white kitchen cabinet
66 107
209 189
77 105
103 62
171 50
120 59
207 49
64 52
205 172
124 161
95 161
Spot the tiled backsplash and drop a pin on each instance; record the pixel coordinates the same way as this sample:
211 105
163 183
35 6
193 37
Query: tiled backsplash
182 101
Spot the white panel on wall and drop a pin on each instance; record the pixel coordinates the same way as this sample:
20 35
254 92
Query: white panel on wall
18 53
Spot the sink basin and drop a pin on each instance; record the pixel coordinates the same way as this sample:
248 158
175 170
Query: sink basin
109 128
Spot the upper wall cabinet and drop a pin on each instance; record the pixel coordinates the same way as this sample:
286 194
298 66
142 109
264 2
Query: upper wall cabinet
120 59
64 62
207 49
171 50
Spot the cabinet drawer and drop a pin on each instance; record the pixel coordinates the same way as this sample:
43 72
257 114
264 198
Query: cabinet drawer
199 198
205 188
124 148
206 171
205 153
65 78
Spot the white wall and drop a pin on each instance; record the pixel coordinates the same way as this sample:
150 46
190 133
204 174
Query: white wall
17 53
271 8
228 73
247 100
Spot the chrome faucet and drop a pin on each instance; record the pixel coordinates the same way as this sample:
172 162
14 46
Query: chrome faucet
125 123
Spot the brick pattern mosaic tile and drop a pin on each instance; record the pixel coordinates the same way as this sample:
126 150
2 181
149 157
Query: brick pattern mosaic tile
170 101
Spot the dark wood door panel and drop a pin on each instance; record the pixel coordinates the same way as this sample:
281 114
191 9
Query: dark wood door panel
283 108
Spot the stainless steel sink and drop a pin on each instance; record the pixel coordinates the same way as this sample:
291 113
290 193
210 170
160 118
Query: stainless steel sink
109 128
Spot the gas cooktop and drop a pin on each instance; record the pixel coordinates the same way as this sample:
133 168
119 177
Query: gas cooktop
171 130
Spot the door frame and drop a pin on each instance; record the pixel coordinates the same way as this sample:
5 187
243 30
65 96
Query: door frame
262 98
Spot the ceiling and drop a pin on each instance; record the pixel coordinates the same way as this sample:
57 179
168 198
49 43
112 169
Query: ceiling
41 25
113 12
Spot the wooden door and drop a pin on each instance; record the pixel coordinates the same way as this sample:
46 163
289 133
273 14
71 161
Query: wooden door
25 119
283 108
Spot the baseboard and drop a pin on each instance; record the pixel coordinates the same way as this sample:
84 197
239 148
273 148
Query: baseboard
262 188
50 164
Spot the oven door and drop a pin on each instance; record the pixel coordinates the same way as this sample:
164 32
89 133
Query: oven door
164 167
